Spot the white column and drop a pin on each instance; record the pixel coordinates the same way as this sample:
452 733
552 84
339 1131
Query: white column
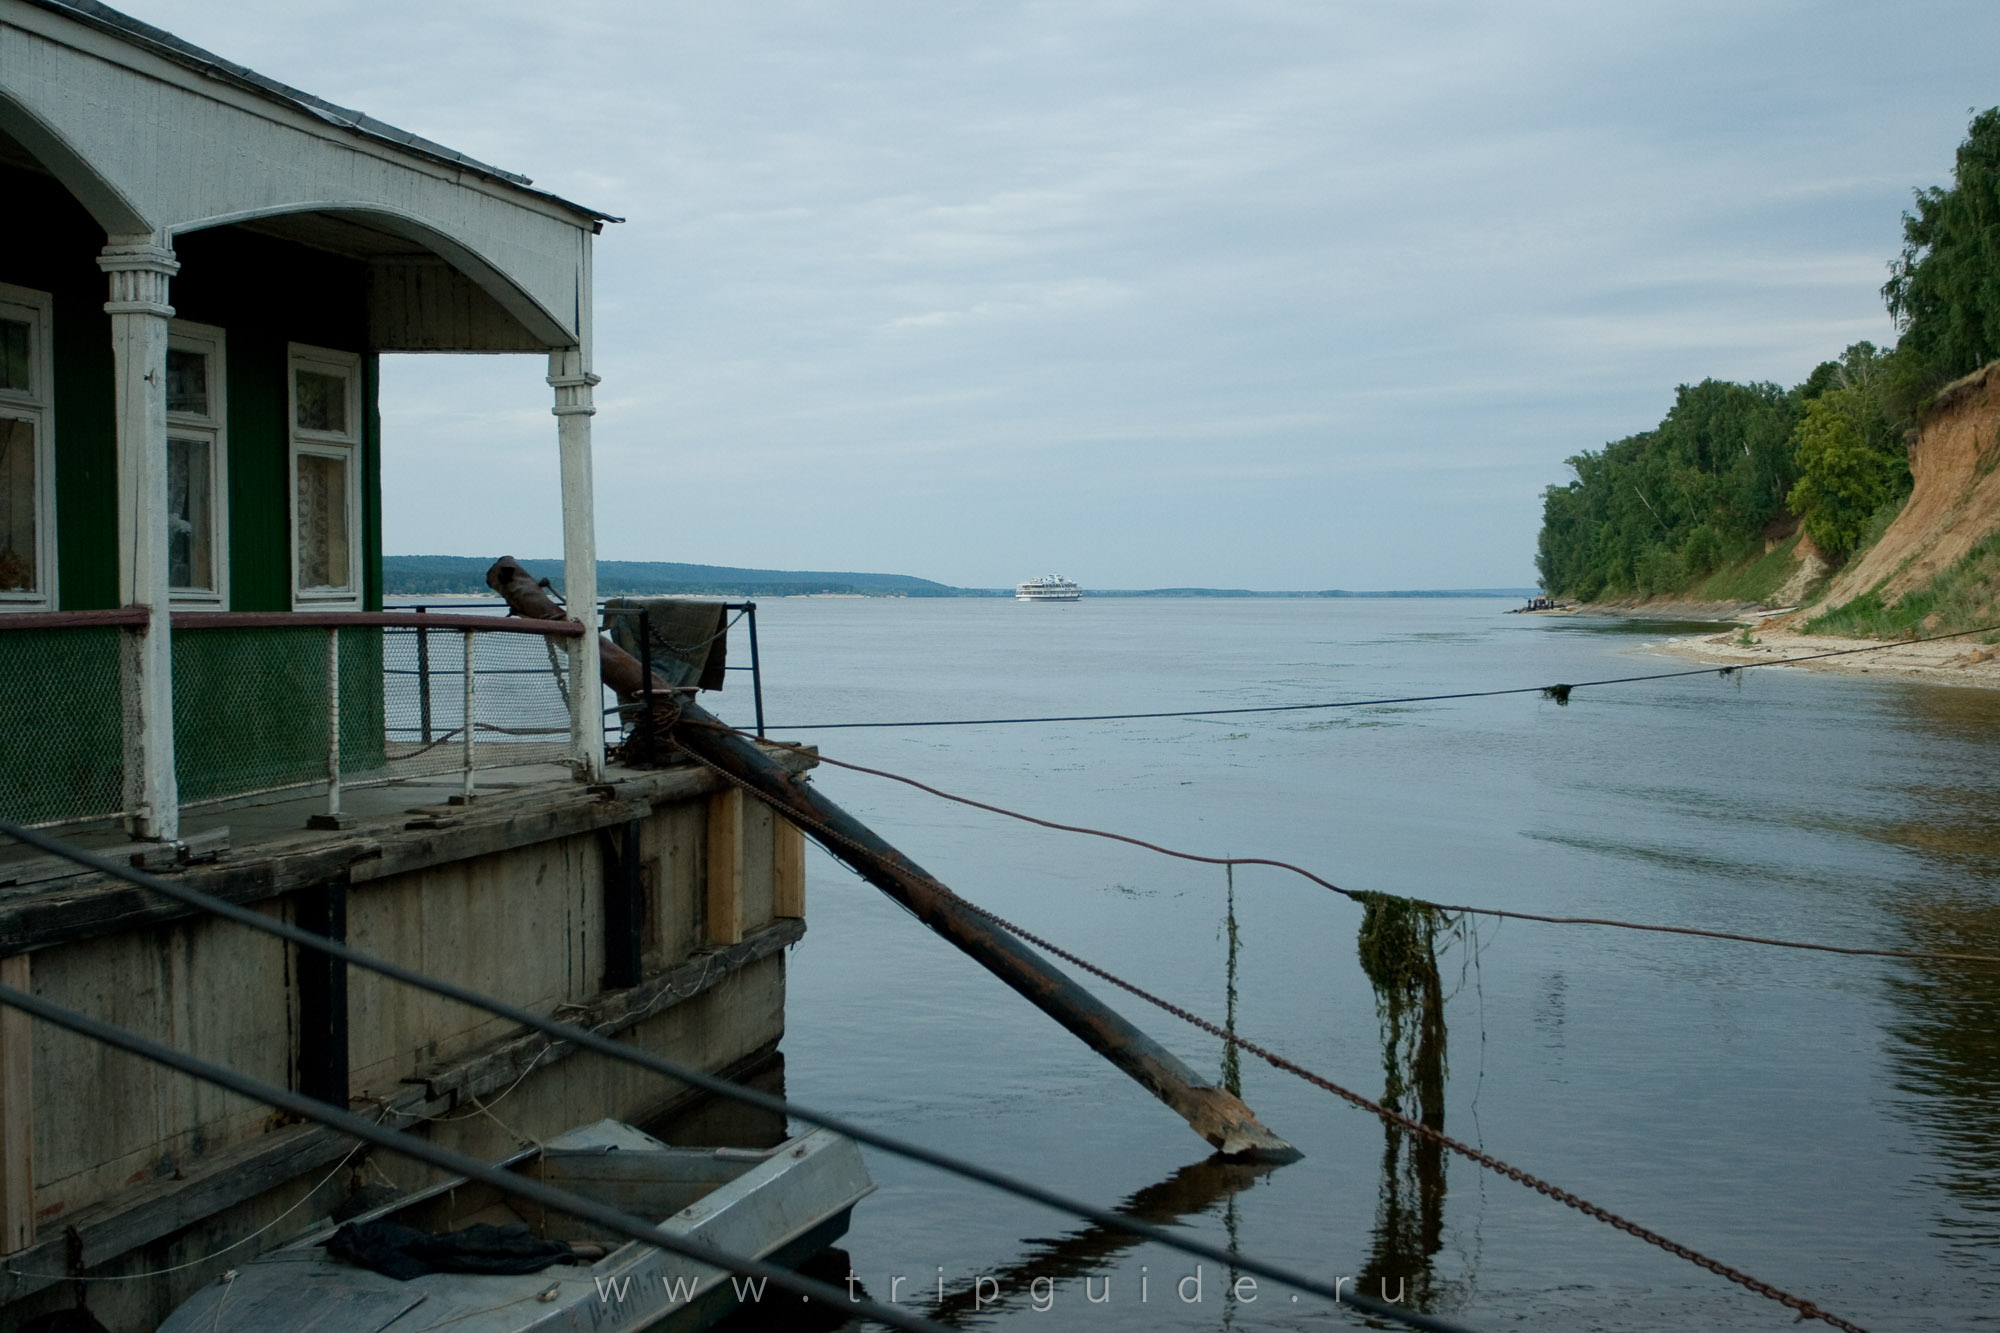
139 269
570 377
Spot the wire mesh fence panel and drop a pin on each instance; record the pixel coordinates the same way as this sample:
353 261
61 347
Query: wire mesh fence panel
254 704
520 702
251 709
62 724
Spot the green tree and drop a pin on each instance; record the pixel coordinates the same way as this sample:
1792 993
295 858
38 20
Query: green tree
1842 479
1944 290
1651 512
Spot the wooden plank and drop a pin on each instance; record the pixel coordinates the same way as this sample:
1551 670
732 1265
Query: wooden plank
624 905
500 1065
725 867
39 869
17 1115
161 1207
788 868
96 905
502 830
89 905
195 847
189 620
124 615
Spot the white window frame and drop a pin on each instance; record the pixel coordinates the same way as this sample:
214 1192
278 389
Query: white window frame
38 406
344 445
212 426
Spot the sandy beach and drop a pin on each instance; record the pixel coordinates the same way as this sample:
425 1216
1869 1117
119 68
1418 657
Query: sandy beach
1946 662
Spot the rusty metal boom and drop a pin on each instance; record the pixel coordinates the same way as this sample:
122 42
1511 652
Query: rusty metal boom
1216 1115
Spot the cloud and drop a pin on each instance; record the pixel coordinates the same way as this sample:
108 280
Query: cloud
1000 274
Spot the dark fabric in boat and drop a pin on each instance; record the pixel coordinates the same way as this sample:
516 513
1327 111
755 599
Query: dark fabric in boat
690 645
64 1321
401 1252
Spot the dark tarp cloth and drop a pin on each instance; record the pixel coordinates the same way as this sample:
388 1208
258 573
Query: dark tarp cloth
690 643
64 1321
401 1252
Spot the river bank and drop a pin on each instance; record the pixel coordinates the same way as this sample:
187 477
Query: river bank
1757 635
1944 662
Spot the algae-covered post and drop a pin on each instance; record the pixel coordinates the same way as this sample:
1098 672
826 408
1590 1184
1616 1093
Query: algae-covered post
1398 944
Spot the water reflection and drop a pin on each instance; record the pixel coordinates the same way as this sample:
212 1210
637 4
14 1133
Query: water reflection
1232 1062
1631 625
1090 1252
1945 1047
1399 944
1409 1222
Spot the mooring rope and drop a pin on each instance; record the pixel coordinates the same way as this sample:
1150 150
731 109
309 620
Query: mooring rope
1358 895
1559 693
1804 1308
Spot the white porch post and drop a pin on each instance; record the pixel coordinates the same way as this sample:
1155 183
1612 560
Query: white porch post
139 269
570 377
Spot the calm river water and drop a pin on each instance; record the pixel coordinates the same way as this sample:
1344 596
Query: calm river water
1826 1123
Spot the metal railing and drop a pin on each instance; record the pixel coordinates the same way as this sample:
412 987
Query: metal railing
271 702
513 686
372 699
274 702
625 720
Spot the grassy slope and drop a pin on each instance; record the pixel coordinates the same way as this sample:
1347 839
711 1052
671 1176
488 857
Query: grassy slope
1964 596
1755 578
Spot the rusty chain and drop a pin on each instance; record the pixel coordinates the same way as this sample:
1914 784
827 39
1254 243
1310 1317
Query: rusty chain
1804 1308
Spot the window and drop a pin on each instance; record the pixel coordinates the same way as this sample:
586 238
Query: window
27 456
326 477
197 464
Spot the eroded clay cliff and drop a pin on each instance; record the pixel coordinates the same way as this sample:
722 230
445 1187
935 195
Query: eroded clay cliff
1955 501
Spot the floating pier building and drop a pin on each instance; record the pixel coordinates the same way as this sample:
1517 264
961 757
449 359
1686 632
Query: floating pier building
200 269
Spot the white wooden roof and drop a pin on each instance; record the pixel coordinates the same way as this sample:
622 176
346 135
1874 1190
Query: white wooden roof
157 138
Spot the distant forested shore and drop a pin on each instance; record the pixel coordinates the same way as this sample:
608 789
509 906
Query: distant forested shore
464 575
1744 492
454 575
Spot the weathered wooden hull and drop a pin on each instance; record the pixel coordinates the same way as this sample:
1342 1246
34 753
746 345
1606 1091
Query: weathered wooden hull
782 1204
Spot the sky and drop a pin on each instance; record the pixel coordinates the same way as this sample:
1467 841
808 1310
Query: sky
1259 294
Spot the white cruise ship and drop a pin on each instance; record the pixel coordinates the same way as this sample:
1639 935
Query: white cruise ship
1049 588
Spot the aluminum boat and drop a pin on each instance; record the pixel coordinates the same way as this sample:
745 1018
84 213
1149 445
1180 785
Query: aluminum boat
782 1204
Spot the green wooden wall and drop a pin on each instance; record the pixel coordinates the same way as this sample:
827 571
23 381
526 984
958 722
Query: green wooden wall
250 705
264 293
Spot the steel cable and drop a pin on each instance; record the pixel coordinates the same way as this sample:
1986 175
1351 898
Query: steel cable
1804 1308
1560 693
626 1053
1359 895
